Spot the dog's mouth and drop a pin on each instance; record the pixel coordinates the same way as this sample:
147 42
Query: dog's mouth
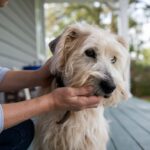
107 96
101 94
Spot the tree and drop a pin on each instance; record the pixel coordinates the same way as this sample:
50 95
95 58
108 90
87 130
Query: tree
64 14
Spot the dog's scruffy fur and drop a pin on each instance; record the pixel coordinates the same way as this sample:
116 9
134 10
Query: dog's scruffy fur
85 55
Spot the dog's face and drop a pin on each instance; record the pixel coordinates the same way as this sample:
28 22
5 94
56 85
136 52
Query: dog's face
87 55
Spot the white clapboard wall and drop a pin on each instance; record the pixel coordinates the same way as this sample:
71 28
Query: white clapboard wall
17 34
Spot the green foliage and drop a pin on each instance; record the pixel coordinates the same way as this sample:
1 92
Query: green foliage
63 14
131 48
132 23
113 24
81 11
140 79
146 54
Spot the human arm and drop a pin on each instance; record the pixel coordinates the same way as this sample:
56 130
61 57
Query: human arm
60 99
3 3
16 80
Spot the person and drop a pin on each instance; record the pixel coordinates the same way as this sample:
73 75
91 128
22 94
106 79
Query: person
16 128
12 114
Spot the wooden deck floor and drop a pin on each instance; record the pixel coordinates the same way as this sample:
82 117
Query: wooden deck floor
129 125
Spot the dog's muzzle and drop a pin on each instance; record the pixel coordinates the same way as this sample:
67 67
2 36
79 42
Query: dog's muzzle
107 86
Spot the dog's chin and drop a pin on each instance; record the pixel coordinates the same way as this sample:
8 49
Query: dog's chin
102 95
105 98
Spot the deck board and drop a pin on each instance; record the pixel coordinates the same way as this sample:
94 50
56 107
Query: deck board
129 125
119 135
111 145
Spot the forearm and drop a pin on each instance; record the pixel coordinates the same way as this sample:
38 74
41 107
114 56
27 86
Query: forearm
60 99
15 113
16 80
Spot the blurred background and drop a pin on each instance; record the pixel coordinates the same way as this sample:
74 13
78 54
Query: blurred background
106 15
26 28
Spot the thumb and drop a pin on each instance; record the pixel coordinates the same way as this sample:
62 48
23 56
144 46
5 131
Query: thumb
93 100
83 91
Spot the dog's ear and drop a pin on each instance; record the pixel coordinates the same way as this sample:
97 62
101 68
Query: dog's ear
122 41
53 43
72 36
69 35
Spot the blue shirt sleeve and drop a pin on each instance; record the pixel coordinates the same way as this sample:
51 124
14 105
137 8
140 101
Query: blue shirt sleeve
3 71
1 119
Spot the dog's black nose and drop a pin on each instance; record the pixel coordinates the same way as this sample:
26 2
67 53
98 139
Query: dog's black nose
108 86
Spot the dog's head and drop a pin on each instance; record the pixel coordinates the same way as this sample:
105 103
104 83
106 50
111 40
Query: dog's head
87 55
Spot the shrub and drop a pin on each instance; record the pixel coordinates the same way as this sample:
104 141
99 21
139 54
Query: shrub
140 79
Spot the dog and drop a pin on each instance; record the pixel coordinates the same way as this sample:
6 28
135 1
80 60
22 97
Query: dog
84 55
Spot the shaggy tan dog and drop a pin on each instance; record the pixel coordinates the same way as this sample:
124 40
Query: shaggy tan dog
85 55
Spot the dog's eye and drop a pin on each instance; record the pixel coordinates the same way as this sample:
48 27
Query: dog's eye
90 53
113 60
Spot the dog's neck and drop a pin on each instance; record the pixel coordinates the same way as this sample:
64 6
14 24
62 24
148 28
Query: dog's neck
60 83
59 80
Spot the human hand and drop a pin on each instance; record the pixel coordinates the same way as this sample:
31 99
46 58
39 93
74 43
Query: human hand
3 3
43 73
72 99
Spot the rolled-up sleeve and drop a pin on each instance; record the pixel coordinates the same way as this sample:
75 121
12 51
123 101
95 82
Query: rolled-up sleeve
3 71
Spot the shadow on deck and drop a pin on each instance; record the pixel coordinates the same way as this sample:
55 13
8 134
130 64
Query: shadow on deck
129 125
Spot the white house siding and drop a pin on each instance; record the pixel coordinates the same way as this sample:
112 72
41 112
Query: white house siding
17 34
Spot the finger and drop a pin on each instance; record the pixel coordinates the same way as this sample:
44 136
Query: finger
93 100
85 102
93 106
84 105
83 91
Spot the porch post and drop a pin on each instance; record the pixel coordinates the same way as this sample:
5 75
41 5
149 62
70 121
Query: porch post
123 30
40 32
123 19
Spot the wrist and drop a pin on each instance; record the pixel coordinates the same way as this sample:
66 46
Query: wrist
46 103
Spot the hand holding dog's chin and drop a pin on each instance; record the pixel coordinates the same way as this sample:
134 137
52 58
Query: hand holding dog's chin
70 99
